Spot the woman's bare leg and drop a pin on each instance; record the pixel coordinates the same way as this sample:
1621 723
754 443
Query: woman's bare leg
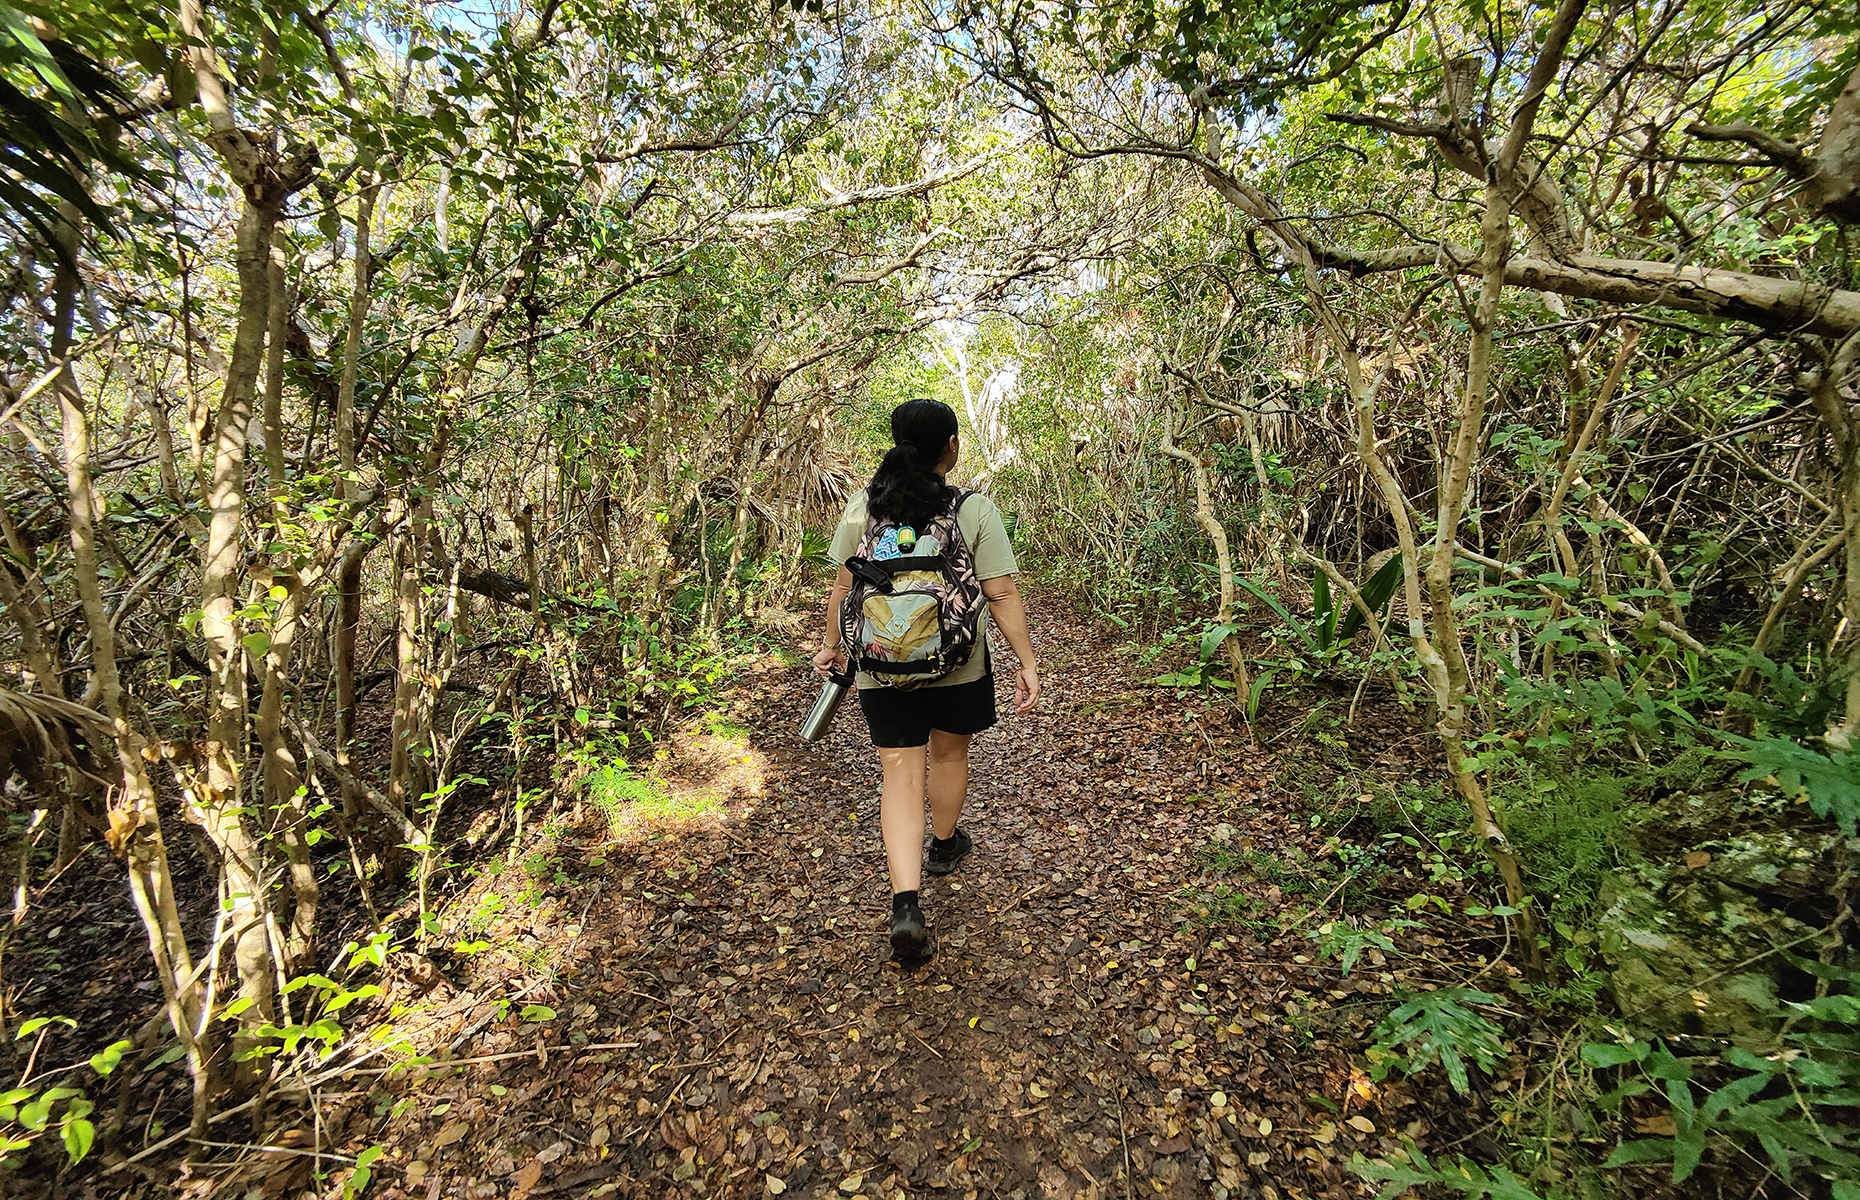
901 814
949 780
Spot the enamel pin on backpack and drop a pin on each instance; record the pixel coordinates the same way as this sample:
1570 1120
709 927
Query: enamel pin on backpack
913 614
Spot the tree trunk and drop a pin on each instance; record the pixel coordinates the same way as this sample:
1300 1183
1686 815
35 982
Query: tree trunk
135 826
284 800
221 801
1824 390
1223 559
1447 667
267 181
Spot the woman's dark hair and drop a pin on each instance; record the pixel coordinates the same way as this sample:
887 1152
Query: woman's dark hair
906 487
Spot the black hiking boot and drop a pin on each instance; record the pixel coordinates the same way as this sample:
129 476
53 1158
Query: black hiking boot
910 936
945 853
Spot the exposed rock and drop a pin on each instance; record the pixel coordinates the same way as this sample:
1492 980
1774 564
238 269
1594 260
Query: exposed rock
1694 948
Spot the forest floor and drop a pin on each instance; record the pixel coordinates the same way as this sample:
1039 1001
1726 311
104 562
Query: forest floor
1125 1000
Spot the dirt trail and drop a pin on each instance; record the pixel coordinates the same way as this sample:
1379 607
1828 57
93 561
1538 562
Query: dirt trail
1078 1033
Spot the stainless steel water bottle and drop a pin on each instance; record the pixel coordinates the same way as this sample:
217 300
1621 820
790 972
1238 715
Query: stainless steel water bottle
820 717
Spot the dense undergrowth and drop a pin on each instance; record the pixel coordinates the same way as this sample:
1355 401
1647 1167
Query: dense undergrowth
1609 794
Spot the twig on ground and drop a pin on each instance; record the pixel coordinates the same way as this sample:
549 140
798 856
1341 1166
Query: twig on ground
1123 1133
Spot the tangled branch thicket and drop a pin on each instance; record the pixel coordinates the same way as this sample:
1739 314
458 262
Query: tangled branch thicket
404 406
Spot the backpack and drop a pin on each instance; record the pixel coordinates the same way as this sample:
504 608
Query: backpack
913 615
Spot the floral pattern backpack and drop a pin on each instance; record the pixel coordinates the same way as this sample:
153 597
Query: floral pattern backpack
913 615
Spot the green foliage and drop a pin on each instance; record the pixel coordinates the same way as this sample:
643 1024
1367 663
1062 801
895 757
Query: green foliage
625 795
1568 829
1334 619
1461 1176
47 97
362 1173
28 1113
1437 1027
1205 672
1345 940
1378 593
1773 1104
1829 783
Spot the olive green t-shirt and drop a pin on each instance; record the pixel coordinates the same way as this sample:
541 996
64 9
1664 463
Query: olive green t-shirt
987 540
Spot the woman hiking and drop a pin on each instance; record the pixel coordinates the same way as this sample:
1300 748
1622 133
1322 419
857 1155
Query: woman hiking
922 730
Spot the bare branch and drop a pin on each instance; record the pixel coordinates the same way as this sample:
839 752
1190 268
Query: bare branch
1779 152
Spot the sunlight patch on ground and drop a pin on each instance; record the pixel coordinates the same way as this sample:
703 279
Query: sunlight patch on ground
707 771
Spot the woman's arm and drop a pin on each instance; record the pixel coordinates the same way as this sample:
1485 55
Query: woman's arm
1005 605
831 657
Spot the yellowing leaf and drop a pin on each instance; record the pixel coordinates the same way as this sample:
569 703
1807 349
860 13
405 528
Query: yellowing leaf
1362 1123
1037 1092
852 1035
775 1186
1325 1135
1265 1126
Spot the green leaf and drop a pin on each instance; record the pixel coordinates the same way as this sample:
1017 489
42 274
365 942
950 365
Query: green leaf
1260 683
106 1060
1211 640
1830 783
78 1135
1323 611
1437 1026
1606 1055
1643 1150
28 1028
257 644
1271 601
1376 594
1688 1148
536 1012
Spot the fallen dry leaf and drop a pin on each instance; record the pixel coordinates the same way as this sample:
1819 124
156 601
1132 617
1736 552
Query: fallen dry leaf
453 1131
529 1175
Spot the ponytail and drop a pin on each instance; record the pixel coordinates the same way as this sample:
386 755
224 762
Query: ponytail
906 488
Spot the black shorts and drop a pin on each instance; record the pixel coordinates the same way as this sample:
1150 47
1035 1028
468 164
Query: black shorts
900 719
